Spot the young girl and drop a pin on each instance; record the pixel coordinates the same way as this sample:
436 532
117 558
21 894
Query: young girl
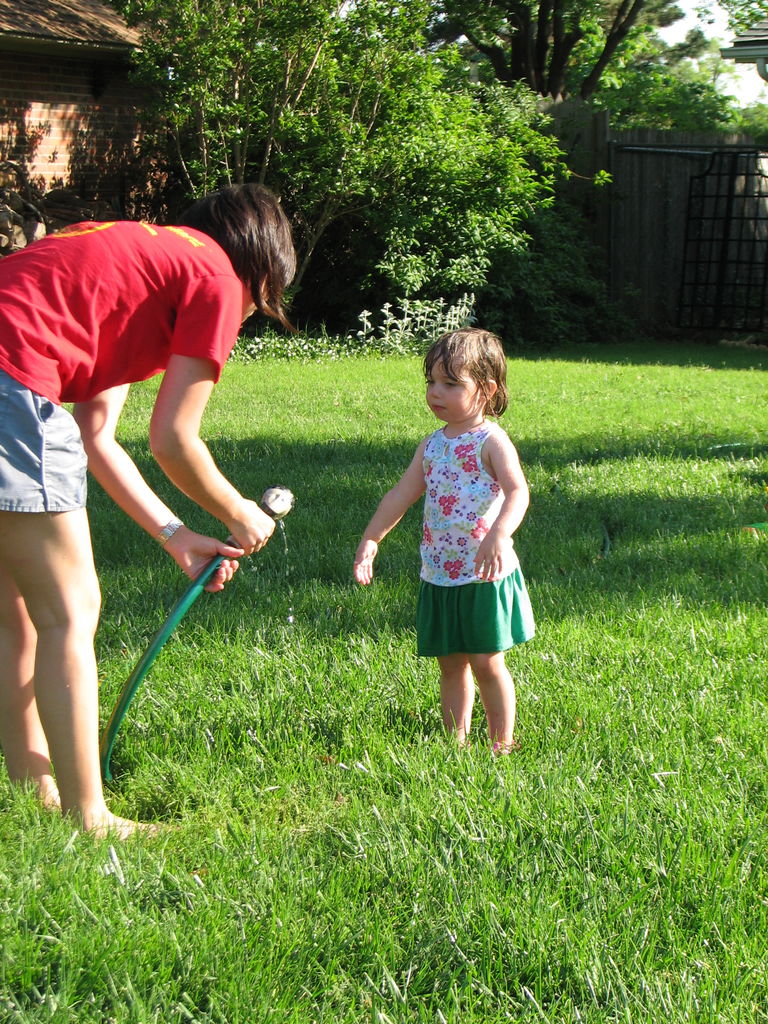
473 604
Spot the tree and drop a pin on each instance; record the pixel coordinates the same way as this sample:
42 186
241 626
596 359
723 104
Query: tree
344 111
221 75
538 43
562 48
742 14
753 121
675 87
474 167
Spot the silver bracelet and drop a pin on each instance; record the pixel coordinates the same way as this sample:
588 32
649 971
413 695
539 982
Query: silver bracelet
168 531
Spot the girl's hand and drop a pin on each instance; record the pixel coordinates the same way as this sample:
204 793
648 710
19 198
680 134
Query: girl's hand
493 556
392 507
363 567
193 551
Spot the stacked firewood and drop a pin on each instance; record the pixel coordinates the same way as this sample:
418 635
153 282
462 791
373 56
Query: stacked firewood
63 206
21 222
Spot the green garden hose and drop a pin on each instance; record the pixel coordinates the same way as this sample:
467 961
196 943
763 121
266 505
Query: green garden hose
276 502
136 677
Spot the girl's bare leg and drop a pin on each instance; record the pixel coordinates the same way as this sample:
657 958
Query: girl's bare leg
497 692
21 732
457 695
49 558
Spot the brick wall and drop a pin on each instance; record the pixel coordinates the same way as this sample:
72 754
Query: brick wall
71 122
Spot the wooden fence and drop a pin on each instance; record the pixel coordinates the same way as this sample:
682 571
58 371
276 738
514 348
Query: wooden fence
641 220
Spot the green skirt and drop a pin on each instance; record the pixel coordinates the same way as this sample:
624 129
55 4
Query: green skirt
475 618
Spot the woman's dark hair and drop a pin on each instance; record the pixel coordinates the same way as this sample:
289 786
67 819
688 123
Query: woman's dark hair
478 354
249 224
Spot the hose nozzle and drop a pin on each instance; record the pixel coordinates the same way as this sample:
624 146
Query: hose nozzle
277 502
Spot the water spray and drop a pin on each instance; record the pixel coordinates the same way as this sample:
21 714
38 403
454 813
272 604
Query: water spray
277 502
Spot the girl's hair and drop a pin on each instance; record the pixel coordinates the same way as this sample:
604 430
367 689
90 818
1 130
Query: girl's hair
251 227
477 354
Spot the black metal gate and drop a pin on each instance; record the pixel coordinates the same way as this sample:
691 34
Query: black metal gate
725 264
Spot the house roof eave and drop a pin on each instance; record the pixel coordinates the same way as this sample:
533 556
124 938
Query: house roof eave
35 24
753 53
20 43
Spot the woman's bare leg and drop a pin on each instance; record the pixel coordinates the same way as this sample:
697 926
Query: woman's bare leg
21 732
50 559
457 694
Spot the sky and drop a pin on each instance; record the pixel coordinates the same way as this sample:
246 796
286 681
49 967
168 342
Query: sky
750 87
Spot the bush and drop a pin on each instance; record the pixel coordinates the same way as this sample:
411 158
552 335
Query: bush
406 329
554 291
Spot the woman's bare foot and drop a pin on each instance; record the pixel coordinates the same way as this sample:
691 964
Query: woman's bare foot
124 828
48 793
105 825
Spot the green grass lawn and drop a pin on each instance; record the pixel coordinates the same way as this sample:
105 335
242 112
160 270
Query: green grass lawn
335 859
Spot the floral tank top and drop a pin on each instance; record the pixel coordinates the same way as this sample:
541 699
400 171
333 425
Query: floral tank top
461 504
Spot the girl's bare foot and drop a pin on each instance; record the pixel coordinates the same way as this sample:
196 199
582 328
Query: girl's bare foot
500 749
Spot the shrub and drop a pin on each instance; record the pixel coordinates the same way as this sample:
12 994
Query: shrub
406 329
553 292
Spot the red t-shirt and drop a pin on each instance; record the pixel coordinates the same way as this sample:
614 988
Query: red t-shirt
99 305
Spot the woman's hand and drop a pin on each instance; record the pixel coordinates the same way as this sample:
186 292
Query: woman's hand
363 567
251 527
193 551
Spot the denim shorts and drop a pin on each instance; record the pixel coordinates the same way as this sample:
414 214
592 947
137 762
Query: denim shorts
42 459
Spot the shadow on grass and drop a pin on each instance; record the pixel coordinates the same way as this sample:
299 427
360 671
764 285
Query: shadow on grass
576 551
720 355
